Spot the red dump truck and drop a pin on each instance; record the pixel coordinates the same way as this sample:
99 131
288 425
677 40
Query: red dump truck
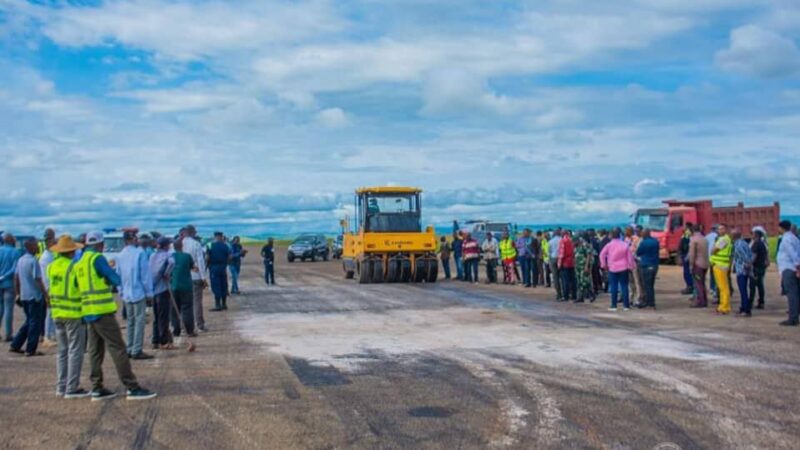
667 224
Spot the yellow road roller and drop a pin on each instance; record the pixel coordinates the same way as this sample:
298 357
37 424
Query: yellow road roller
386 243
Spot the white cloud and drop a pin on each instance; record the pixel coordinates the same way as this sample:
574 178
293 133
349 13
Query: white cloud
177 100
333 118
188 30
760 53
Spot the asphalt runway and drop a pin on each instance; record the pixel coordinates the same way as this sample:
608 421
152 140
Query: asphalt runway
320 362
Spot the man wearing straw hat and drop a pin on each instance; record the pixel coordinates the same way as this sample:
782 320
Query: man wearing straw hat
65 304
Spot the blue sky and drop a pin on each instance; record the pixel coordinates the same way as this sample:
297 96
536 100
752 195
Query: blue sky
262 116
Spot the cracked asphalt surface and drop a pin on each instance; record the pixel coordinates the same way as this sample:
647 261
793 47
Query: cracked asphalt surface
321 362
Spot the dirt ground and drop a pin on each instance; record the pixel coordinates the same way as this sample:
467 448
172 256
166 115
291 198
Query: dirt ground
320 362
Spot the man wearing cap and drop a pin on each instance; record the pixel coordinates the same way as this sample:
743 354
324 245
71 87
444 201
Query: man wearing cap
65 304
95 280
789 268
160 267
193 247
218 257
137 291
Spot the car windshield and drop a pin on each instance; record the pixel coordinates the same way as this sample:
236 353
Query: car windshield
304 240
113 244
653 221
497 227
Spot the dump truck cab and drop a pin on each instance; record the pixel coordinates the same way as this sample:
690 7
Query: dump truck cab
386 242
666 225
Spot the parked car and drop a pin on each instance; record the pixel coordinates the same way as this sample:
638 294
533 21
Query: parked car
309 246
338 247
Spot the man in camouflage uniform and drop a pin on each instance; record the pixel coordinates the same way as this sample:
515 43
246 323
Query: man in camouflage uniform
584 259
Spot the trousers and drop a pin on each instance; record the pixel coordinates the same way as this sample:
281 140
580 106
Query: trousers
269 272
32 328
700 294
104 334
135 326
721 278
7 311
219 285
162 310
649 284
197 300
185 306
618 283
71 340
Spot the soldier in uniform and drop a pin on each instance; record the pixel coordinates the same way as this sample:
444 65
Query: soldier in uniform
584 259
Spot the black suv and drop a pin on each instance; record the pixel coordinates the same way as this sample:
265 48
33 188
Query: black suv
309 246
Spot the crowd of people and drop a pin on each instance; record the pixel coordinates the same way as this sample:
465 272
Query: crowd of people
581 265
67 287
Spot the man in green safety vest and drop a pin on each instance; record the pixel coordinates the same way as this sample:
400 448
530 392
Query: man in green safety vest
95 279
721 262
65 304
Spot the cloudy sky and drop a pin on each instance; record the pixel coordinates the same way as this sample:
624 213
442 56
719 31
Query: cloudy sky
265 115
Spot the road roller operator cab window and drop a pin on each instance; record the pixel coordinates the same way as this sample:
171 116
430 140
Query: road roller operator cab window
389 213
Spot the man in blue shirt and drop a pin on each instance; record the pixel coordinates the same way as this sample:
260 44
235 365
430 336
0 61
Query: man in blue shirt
8 266
218 257
647 254
137 291
789 268
31 292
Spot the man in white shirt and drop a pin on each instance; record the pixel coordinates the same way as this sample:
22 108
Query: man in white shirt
45 258
789 268
195 249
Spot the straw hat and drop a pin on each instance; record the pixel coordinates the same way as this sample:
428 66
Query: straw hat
65 244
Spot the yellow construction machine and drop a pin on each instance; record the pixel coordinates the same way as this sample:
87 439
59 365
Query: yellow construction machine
387 243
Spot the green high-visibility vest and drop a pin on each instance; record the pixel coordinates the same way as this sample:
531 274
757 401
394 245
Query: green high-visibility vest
96 296
545 249
507 249
65 298
723 256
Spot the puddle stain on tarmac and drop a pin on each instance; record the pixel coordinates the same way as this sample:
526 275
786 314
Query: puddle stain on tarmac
315 375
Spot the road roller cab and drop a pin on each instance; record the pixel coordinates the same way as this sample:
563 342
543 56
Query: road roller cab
386 242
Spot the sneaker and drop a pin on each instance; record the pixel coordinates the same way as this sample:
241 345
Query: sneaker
79 393
16 350
626 309
102 394
613 308
789 323
59 393
140 394
142 356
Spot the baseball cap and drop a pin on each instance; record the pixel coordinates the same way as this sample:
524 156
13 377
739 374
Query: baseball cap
163 241
94 237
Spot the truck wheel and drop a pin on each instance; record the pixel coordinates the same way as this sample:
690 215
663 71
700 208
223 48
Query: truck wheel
433 271
420 271
405 271
393 271
377 271
364 272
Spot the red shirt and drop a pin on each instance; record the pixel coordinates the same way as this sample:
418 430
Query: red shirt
566 252
471 249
